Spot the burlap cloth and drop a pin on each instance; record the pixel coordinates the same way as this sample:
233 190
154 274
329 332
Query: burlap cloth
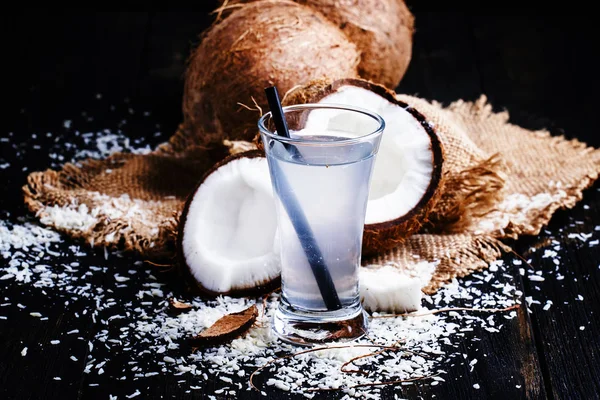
132 202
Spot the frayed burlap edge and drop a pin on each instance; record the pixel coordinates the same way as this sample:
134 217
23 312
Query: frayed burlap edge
45 191
477 248
562 198
467 196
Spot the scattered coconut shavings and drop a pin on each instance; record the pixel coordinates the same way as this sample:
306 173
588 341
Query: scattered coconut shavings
25 237
136 215
24 351
106 144
472 364
120 278
516 209
426 334
139 323
74 217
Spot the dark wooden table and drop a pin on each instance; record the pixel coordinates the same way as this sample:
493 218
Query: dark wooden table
540 68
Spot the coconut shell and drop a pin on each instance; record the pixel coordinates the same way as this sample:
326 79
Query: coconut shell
195 286
382 30
473 179
258 45
386 235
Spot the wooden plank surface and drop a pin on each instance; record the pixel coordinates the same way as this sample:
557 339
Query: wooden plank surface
445 68
541 73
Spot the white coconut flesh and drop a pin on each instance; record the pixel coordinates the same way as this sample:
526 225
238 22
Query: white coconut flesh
390 290
404 165
230 228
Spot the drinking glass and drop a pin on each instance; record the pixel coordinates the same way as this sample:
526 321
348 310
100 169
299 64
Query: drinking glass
321 176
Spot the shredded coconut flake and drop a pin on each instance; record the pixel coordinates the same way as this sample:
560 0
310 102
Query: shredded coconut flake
134 394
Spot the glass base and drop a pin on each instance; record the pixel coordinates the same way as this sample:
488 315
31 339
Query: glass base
307 328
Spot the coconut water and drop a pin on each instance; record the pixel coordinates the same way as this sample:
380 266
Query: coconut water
327 188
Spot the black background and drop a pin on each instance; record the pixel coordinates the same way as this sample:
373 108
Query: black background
530 63
541 68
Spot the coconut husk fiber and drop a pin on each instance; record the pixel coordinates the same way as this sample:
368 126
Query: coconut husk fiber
266 43
135 207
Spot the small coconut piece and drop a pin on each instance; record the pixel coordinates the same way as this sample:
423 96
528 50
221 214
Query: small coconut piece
407 177
259 44
177 306
227 327
227 230
389 290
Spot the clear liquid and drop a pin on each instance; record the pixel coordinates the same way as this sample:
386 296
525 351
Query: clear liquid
330 186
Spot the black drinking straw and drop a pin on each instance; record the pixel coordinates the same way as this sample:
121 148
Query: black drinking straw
301 226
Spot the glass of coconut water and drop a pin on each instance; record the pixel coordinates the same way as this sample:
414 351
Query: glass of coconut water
321 176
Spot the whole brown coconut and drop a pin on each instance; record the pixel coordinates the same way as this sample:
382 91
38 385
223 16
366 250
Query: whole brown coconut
407 133
382 30
259 44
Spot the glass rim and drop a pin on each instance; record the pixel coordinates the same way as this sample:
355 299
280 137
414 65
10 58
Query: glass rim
332 106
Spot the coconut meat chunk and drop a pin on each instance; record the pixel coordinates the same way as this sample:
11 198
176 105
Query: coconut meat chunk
388 289
404 166
230 228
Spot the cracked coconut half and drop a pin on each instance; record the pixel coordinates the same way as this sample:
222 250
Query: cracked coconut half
408 168
228 230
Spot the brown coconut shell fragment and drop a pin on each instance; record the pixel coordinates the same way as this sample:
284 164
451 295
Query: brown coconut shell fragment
386 235
227 328
275 43
176 306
